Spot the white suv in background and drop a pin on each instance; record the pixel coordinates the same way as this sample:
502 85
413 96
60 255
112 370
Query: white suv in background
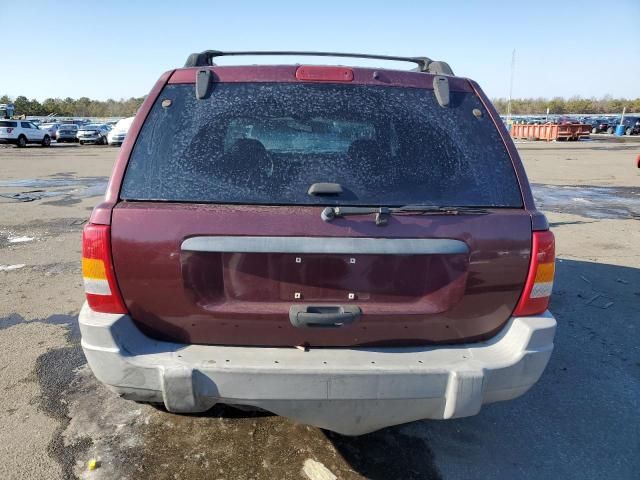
118 133
22 132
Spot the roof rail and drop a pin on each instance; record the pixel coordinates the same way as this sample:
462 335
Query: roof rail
425 64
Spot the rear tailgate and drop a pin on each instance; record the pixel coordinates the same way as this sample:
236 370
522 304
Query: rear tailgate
216 238
244 298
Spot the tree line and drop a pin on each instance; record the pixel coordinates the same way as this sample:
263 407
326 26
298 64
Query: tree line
85 107
559 105
70 107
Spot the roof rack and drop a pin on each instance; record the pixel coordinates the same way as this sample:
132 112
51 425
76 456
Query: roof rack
424 64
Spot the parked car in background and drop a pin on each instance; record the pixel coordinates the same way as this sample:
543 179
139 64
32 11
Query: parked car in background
22 132
119 131
631 125
599 125
51 128
67 133
612 122
358 214
93 133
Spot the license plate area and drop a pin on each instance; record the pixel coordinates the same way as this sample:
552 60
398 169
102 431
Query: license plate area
336 277
321 277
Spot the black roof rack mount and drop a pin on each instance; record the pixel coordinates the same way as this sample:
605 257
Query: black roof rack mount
425 64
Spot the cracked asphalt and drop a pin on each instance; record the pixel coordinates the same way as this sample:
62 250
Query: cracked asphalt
579 422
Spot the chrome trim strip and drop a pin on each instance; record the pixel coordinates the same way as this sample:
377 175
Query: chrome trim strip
331 245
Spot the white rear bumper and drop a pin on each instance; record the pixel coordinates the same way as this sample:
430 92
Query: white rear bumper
350 391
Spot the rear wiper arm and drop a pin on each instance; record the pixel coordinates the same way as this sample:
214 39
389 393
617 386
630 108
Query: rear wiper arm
383 213
436 209
330 213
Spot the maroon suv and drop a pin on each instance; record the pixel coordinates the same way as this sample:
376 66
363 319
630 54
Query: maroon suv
349 247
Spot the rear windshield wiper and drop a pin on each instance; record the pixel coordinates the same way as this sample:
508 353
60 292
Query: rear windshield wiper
383 213
435 209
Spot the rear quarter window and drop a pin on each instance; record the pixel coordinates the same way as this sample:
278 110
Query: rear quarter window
264 143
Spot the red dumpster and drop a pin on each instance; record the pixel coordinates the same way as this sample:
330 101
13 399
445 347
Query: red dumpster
551 131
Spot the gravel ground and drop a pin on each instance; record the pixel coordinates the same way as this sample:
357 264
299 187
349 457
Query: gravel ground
579 422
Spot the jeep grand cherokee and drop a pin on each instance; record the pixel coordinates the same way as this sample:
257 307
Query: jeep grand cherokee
349 247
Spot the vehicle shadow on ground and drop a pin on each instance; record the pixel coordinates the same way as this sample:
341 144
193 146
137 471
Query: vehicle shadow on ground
580 421
387 454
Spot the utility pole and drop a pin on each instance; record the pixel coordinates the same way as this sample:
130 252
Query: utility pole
513 68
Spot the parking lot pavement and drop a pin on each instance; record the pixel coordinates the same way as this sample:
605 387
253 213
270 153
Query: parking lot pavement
615 138
580 421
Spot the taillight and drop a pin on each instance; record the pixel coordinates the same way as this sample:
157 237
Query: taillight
537 290
100 285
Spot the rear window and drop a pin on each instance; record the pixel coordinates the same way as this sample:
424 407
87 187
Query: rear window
8 124
264 143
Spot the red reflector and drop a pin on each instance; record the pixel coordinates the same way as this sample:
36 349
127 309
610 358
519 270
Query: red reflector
543 251
96 245
312 73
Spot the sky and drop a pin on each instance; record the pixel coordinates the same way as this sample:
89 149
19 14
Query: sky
118 49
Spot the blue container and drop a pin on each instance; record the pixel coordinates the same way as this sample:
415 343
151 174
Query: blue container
620 130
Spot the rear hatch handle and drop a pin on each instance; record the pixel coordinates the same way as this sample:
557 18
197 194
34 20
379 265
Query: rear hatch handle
323 316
